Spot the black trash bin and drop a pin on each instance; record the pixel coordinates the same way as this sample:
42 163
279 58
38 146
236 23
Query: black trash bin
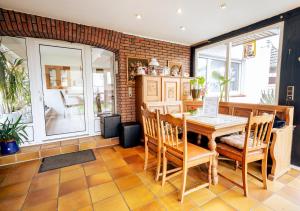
130 133
109 124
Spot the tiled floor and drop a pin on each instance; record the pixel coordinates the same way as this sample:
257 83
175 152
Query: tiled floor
116 181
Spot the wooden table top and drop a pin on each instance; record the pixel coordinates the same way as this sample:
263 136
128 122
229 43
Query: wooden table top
221 121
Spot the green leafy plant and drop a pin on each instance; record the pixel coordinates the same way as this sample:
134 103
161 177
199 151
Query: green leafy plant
267 97
12 85
10 130
222 82
197 83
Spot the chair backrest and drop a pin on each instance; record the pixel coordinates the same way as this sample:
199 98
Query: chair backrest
170 128
151 126
259 130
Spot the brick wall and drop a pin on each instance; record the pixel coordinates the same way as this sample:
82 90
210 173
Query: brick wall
20 24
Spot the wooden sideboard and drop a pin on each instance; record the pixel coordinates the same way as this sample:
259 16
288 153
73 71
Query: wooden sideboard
281 143
160 89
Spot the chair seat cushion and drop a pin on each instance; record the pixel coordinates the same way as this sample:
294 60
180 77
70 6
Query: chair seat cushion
236 140
221 148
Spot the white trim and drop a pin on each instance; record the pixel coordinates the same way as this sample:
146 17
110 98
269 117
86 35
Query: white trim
295 167
278 71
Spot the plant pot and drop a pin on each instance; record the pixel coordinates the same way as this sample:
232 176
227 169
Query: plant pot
9 147
196 93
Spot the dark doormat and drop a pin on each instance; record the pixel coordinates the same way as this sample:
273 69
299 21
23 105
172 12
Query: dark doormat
69 159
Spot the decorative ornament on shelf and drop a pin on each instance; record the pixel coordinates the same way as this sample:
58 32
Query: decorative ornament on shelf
165 71
175 68
153 65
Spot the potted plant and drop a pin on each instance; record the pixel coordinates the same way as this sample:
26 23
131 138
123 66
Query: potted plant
12 135
197 87
222 82
14 91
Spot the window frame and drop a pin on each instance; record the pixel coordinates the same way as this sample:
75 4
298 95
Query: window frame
228 42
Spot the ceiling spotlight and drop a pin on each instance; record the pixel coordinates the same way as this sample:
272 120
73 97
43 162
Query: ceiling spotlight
223 6
179 11
138 16
182 28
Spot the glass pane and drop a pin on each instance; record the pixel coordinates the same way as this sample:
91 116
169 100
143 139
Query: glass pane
103 81
258 60
212 64
15 80
63 89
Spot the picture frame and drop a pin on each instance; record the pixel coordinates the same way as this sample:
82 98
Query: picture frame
175 68
132 65
249 50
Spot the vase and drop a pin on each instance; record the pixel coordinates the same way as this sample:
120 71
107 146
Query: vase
9 147
195 93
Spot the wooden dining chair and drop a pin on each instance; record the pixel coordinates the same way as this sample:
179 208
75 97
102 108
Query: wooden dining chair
152 138
249 147
180 153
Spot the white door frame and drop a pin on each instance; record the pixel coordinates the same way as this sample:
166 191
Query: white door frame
36 84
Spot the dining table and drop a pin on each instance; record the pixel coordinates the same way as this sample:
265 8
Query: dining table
213 127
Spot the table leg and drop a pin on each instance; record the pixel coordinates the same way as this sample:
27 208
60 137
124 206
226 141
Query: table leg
212 146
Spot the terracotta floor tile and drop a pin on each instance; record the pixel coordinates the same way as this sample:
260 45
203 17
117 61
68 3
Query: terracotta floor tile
44 182
132 196
44 205
217 204
285 179
154 205
110 156
115 163
277 202
294 173
103 191
14 190
295 183
201 196
114 203
158 190
15 177
274 186
94 169
98 179
238 200
36 197
290 193
171 202
120 172
125 183
70 168
74 201
136 167
72 186
87 208
70 175
262 207
13 203
134 159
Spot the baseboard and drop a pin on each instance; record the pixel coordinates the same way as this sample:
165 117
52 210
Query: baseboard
295 167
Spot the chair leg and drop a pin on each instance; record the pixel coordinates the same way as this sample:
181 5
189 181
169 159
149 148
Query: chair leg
158 165
236 165
209 171
164 171
184 176
264 172
244 172
146 156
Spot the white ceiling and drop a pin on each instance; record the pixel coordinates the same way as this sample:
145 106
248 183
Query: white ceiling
203 19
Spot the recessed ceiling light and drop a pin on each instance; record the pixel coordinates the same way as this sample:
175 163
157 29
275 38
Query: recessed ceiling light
138 16
179 11
182 28
223 6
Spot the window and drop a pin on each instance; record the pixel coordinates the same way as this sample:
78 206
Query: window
253 66
15 80
103 81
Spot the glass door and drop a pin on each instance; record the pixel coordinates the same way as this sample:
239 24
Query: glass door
60 89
